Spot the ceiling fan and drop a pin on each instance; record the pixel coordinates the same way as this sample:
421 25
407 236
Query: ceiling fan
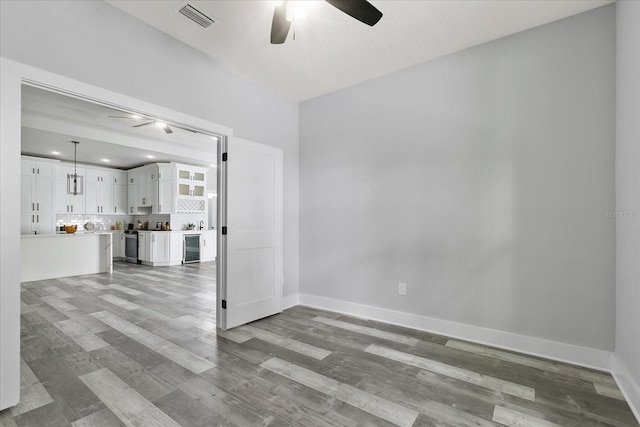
163 125
361 10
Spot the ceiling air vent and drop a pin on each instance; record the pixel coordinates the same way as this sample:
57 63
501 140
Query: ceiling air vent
196 16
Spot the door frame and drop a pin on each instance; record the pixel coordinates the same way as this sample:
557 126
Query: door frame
12 76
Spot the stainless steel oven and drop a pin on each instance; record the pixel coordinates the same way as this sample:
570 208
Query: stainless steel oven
191 248
131 246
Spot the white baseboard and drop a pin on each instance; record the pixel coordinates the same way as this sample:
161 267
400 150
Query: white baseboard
568 353
629 387
289 301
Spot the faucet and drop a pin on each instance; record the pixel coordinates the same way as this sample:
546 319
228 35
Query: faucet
201 225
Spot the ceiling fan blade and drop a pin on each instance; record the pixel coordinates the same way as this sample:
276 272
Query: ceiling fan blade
167 129
280 26
361 10
142 124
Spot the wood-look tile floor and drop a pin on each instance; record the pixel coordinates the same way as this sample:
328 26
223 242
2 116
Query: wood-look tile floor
140 348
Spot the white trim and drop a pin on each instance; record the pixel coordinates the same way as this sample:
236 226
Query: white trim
289 301
12 76
568 353
627 384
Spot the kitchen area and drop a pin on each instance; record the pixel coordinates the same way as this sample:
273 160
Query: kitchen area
87 202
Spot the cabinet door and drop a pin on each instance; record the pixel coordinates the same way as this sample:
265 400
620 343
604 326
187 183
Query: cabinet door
119 199
45 193
166 199
143 250
160 247
106 198
44 223
76 203
27 203
132 198
26 223
92 197
61 203
208 245
45 169
123 241
120 178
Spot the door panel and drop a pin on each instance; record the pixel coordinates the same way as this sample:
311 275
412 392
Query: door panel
252 272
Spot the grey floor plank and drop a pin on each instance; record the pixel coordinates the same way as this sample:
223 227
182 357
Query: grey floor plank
140 347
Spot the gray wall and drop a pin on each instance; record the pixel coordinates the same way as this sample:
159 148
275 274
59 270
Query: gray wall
479 179
96 43
628 189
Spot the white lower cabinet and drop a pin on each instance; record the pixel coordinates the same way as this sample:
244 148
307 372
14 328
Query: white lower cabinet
160 247
175 248
118 243
154 247
143 246
208 248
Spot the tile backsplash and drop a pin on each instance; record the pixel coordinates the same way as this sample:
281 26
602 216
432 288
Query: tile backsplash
101 222
104 222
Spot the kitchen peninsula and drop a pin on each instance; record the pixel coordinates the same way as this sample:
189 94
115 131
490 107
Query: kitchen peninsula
49 256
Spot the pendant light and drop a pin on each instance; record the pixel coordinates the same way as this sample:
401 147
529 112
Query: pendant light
75 167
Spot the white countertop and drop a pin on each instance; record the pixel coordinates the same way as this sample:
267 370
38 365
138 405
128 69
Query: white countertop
64 235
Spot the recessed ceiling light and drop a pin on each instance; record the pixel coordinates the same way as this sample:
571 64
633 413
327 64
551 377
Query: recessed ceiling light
135 116
162 125
149 156
55 153
215 138
106 160
213 165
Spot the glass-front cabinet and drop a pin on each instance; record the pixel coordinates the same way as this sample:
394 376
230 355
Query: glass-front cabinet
191 188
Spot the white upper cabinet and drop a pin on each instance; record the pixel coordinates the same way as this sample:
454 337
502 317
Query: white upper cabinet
66 202
166 189
37 196
99 191
120 192
191 188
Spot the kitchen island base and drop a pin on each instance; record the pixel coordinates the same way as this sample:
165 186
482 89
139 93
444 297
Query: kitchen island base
49 256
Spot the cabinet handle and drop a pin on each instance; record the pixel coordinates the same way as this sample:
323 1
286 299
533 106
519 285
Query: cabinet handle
37 218
33 170
33 218
115 209
38 171
98 209
67 208
33 206
72 208
37 206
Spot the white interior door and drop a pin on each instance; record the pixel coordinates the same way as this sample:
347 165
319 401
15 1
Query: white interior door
250 213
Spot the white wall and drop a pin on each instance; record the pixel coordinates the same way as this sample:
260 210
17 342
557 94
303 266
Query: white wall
480 180
95 43
627 350
98 44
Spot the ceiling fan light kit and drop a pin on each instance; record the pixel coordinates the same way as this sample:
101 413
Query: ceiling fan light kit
361 10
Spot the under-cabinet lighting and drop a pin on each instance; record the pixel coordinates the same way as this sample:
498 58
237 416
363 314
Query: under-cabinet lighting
106 160
149 156
55 153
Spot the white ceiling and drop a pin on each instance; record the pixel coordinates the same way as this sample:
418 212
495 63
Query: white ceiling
50 121
332 50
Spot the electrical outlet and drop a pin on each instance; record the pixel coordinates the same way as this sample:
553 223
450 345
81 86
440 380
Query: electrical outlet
402 288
